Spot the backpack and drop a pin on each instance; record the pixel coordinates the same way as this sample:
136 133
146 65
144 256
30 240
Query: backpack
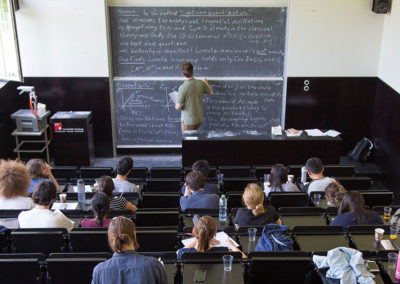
361 151
274 238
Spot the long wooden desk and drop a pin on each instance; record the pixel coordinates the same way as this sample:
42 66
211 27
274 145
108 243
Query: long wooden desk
257 148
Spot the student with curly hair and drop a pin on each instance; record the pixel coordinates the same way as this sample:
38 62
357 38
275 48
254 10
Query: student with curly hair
334 194
14 184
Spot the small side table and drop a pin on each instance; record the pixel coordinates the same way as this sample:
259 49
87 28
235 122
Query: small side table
19 144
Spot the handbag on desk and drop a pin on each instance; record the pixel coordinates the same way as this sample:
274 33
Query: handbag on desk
274 238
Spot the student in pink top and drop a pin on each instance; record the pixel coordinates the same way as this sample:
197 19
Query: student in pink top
100 208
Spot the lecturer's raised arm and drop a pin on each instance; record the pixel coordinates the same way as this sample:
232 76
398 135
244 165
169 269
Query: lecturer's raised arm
211 90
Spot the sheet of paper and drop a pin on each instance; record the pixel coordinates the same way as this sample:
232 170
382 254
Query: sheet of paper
220 236
174 96
314 132
332 133
65 206
88 188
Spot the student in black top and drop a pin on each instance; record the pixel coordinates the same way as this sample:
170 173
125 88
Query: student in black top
352 212
255 214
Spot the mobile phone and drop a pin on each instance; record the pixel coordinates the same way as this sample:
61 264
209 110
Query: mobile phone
372 266
200 275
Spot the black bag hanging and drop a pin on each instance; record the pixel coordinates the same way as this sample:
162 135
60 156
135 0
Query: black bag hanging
361 151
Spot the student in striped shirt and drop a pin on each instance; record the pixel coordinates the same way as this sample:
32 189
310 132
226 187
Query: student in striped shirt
106 185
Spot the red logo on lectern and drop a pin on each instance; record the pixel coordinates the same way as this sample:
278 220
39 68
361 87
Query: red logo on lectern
58 126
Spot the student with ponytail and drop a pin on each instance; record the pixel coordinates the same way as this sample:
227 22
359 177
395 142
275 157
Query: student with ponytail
205 231
126 265
255 214
100 208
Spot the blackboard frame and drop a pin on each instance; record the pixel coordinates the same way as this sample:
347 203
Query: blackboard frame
283 78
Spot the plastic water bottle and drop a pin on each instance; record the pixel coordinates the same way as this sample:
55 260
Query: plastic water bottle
81 191
303 174
222 208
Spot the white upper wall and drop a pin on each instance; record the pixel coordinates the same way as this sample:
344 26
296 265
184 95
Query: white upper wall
62 38
389 67
334 38
326 37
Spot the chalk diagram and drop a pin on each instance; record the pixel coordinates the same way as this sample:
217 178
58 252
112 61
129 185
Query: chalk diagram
169 103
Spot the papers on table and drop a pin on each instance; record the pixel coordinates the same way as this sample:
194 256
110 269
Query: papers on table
317 132
174 96
291 134
222 237
65 206
88 188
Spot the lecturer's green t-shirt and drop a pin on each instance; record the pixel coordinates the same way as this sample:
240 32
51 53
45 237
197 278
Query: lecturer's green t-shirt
190 95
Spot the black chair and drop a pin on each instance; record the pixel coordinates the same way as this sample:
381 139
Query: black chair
318 230
377 198
209 256
96 172
280 268
72 267
88 240
379 209
211 174
260 171
166 172
87 181
355 183
187 219
65 172
138 173
160 200
295 170
366 229
339 170
132 197
21 268
163 185
237 184
288 199
234 198
39 240
74 195
301 211
236 171
157 238
152 218
10 213
5 241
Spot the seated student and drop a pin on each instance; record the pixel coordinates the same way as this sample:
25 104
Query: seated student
14 184
255 214
100 208
352 212
39 170
315 170
334 193
41 216
195 196
203 167
205 230
124 167
278 180
105 184
126 265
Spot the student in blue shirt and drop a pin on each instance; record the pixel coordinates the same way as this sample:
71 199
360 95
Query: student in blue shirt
126 265
352 212
39 170
195 197
205 231
203 167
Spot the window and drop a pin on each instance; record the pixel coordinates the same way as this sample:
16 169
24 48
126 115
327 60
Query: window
10 67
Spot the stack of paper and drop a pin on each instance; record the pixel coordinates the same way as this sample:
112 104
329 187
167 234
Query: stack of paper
88 188
65 206
317 132
291 134
222 237
174 96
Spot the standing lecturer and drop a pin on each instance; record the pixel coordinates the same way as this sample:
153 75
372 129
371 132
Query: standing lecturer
190 98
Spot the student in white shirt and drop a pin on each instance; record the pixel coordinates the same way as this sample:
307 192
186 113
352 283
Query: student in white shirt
14 184
124 167
41 216
315 170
